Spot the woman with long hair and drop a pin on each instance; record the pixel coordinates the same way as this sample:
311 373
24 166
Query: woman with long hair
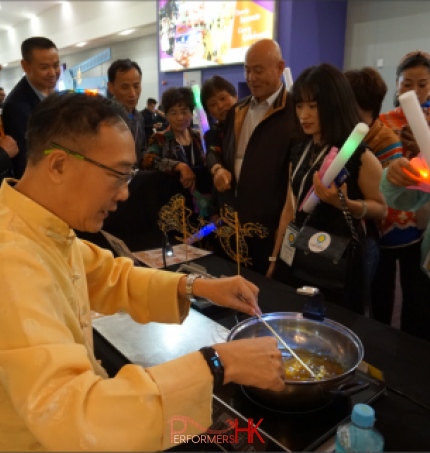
327 113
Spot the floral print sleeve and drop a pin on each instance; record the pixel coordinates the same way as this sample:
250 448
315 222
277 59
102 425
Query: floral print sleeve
158 155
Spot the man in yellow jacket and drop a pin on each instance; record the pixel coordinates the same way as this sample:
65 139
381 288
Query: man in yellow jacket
54 395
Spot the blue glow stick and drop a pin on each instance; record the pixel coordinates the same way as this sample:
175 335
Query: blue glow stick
207 229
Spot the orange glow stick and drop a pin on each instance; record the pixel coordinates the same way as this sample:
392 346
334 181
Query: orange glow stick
420 166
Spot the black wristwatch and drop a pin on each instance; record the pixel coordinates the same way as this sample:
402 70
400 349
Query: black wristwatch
214 364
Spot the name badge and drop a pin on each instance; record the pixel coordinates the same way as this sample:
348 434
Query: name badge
287 249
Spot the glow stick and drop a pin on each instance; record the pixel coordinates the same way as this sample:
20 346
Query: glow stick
421 166
416 120
288 78
345 153
203 119
207 229
328 159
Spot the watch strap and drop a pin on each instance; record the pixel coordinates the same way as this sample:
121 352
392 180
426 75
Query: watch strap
214 364
189 285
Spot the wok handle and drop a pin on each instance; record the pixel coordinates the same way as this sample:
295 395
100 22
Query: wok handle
349 388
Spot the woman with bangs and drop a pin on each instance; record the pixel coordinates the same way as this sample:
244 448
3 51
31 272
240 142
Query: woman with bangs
326 113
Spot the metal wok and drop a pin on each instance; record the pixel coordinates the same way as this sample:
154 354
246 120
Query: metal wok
322 337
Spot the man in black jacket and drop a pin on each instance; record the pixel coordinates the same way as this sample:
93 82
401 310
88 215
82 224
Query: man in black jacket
125 84
41 64
155 120
257 137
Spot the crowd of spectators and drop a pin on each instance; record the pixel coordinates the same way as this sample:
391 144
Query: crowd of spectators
66 161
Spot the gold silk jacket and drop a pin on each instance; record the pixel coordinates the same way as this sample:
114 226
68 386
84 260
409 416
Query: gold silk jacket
53 393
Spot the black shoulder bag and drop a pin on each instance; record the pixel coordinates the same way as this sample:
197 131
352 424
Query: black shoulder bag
322 258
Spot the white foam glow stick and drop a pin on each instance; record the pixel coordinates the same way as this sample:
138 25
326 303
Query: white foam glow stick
417 122
288 78
344 154
203 119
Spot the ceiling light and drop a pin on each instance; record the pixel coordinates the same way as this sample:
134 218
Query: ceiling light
81 44
127 32
5 64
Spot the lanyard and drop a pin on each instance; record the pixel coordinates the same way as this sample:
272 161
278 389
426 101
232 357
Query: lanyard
302 158
192 152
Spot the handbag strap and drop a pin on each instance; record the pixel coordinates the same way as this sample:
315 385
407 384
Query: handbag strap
348 217
346 214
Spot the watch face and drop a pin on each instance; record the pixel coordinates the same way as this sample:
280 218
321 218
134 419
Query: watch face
216 361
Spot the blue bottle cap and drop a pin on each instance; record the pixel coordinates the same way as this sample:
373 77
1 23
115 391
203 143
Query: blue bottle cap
363 415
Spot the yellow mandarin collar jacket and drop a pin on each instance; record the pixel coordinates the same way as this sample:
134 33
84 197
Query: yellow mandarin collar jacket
53 393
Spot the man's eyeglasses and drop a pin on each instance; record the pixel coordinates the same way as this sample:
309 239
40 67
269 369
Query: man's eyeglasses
122 178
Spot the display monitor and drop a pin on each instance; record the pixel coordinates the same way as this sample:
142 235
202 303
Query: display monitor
200 34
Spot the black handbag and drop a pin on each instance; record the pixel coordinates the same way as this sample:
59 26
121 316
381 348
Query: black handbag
325 259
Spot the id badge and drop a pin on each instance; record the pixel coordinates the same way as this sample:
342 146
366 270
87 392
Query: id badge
287 249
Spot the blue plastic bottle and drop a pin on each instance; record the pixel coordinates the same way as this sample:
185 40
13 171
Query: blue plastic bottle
359 435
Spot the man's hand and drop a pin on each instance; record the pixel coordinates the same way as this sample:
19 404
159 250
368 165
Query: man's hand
9 145
401 173
232 292
255 361
222 180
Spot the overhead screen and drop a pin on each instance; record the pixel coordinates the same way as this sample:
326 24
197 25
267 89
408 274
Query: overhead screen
200 34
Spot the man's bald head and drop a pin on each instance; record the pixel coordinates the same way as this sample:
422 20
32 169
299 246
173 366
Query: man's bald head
263 68
265 47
